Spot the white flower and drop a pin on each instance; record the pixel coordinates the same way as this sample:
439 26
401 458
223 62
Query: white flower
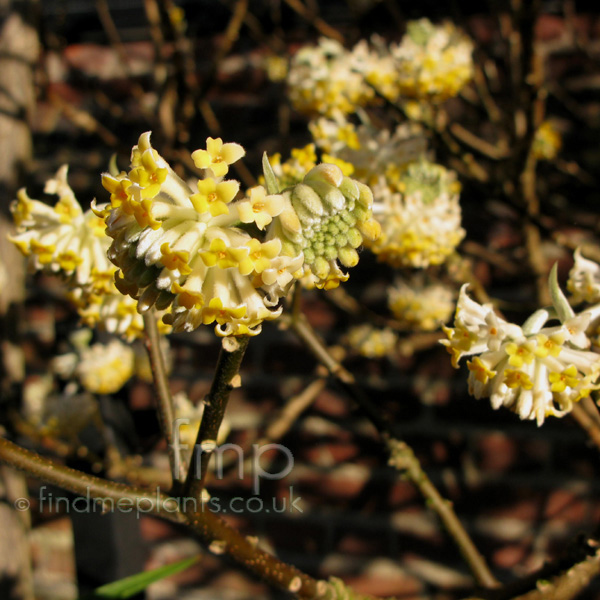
584 280
536 373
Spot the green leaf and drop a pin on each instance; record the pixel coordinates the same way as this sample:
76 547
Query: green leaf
270 177
113 169
559 300
129 586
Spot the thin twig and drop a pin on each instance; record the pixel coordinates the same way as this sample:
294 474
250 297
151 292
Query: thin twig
403 458
319 24
587 423
224 380
165 409
443 507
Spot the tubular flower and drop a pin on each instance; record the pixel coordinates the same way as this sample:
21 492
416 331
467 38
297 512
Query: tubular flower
65 240
178 251
322 80
62 239
420 222
584 279
371 342
325 218
534 371
420 306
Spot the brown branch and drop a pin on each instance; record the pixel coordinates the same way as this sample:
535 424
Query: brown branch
319 24
402 455
403 458
224 380
165 406
587 423
209 526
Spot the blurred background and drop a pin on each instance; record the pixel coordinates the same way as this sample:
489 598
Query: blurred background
80 81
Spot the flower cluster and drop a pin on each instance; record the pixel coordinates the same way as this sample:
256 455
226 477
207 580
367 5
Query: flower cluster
371 342
99 368
62 238
533 370
420 218
181 248
431 63
421 306
323 80
434 62
65 240
325 218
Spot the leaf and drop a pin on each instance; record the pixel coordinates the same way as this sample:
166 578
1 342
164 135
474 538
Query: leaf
270 177
129 586
559 300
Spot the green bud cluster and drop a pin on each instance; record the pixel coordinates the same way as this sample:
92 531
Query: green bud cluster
420 31
326 217
429 179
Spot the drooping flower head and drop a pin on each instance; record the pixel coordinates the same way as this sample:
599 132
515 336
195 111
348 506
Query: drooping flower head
180 248
533 370
65 240
62 239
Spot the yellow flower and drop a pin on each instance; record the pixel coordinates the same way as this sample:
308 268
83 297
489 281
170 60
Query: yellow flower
218 156
516 379
567 378
259 208
222 255
480 370
222 314
260 256
118 188
214 196
520 354
175 260
551 345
